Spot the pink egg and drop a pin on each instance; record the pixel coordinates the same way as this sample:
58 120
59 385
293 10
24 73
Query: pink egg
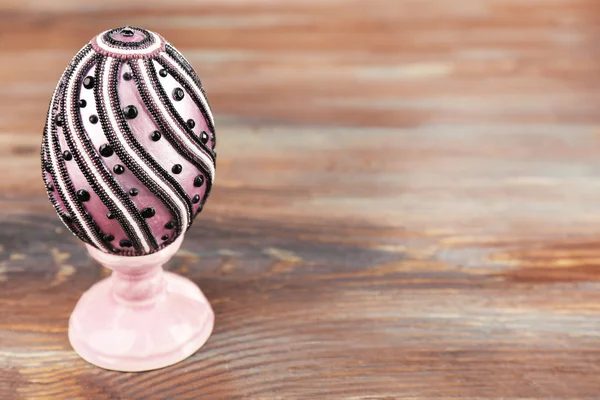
128 149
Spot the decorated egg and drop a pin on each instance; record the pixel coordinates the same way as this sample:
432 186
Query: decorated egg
128 151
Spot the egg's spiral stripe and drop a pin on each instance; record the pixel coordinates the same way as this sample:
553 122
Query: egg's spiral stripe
170 107
183 62
175 190
195 91
173 55
98 177
181 130
87 230
187 69
66 105
108 115
67 219
47 165
143 83
173 59
120 138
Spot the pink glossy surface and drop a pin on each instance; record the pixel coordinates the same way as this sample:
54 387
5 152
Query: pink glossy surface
140 318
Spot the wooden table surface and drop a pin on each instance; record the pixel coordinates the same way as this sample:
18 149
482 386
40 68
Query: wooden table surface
407 202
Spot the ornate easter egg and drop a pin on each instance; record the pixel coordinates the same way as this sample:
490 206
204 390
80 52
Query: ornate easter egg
128 148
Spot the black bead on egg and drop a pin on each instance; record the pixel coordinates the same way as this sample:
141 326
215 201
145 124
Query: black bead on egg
83 195
170 225
118 169
67 155
178 94
163 72
108 238
59 120
94 119
82 103
130 112
148 212
67 218
204 137
165 237
127 76
50 187
127 32
106 150
155 136
88 82
196 199
110 216
199 180
133 192
125 243
191 123
177 168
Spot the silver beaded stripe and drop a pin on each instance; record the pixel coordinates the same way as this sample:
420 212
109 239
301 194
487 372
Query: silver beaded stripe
46 164
152 71
180 134
87 229
171 56
105 96
121 143
95 171
46 161
183 67
66 219
173 119
159 118
145 156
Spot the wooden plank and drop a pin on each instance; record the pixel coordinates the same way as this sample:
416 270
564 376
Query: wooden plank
405 204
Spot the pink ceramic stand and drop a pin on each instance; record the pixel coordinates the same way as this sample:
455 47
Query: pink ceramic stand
140 318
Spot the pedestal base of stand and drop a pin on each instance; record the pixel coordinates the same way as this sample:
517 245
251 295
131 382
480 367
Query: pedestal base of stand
123 336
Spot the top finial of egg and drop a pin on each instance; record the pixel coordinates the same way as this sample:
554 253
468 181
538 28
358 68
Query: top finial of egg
128 148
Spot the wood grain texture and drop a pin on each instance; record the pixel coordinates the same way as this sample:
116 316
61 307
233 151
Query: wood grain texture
406 202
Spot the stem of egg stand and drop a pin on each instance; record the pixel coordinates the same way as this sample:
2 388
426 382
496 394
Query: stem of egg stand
141 286
137 280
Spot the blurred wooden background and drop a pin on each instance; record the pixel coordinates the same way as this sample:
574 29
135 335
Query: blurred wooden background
407 201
